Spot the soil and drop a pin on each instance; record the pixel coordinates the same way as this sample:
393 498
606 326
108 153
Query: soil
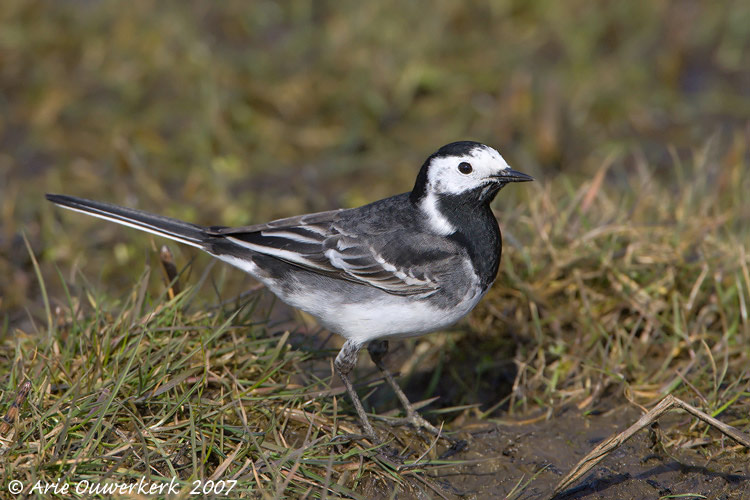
503 457
500 458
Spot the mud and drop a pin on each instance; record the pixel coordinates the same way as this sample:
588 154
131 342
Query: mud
501 458
505 456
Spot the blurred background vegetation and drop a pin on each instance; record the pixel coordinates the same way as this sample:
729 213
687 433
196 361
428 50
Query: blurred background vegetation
634 117
237 113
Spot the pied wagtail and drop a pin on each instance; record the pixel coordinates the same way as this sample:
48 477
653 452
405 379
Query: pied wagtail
399 267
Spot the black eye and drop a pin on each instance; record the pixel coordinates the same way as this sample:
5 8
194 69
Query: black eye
464 167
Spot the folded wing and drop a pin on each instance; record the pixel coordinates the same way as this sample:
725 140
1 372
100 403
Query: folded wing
315 242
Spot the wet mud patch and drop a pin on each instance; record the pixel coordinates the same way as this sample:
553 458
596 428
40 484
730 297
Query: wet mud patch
501 459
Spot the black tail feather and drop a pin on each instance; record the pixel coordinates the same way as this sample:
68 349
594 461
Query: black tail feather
175 229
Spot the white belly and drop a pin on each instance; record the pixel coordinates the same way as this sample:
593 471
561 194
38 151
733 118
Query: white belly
389 316
380 315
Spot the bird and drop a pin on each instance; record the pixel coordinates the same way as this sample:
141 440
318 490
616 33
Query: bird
403 266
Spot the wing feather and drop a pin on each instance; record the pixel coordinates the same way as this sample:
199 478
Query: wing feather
314 242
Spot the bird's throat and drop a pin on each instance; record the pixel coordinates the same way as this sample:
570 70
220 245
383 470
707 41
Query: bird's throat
476 229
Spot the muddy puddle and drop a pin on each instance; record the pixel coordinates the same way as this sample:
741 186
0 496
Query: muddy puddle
501 457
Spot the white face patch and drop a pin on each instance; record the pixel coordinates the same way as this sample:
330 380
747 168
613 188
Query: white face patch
444 176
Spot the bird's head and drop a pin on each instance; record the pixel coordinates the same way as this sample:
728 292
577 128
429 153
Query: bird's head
460 176
465 169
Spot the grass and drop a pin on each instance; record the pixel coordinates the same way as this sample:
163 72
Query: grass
613 294
636 292
146 389
625 266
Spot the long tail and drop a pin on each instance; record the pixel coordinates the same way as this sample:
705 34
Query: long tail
174 229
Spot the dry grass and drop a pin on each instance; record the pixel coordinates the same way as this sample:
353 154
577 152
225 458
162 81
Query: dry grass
645 289
147 389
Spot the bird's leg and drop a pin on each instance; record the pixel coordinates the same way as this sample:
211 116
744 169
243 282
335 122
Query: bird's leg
344 364
377 350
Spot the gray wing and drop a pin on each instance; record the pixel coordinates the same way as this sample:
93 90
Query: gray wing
319 243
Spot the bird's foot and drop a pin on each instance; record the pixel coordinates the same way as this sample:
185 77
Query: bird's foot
414 420
419 423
